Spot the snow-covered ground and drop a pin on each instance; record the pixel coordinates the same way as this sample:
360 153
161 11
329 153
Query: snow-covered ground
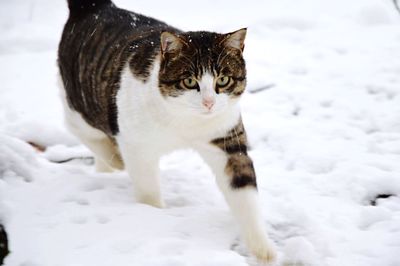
325 139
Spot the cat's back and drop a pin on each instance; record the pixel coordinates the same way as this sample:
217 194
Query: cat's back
103 23
97 41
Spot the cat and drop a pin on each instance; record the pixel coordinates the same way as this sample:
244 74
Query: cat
136 88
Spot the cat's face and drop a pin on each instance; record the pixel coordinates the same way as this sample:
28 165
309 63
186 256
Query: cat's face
202 73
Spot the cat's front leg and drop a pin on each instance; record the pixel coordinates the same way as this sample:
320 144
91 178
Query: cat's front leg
228 158
142 166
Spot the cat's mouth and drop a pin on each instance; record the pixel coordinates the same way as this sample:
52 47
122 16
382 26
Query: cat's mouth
208 113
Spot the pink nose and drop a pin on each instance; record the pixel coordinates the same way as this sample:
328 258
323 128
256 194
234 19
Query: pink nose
208 103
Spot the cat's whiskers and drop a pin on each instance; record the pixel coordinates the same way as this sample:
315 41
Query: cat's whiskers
224 139
238 140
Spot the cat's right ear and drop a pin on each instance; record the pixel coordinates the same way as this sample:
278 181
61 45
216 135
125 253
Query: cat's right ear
170 43
236 39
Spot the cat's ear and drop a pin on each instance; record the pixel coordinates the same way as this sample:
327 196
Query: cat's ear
236 39
170 43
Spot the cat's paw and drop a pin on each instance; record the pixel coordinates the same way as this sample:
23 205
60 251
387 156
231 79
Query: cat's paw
262 249
152 201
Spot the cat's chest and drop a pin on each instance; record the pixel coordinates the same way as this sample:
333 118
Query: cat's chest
143 116
145 119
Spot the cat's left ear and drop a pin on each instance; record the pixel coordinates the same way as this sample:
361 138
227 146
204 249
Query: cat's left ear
236 39
170 43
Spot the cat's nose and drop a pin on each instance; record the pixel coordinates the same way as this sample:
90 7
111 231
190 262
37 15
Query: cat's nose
208 103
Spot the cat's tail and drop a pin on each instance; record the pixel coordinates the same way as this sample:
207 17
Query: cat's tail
83 7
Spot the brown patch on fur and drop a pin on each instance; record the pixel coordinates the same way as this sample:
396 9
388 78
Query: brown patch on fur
239 165
235 140
240 168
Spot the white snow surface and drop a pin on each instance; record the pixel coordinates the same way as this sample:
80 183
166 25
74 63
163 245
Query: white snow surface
325 140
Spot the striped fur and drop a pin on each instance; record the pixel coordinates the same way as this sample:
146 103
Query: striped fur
239 165
94 48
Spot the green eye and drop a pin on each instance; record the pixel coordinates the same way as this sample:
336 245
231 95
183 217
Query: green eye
190 83
223 81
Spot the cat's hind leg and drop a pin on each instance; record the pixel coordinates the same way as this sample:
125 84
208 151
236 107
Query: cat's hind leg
107 156
101 166
106 152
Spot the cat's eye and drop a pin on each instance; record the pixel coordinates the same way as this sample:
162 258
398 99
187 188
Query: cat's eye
190 83
223 81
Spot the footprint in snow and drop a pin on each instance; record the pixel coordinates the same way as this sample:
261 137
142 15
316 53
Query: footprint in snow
78 200
79 220
93 186
102 219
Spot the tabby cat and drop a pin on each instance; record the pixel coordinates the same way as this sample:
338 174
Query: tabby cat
136 88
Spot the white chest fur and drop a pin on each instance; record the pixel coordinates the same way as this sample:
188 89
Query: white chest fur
145 117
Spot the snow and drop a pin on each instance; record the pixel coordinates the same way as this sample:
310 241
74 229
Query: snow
325 139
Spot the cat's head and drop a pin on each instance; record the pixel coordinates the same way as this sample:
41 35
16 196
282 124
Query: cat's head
202 73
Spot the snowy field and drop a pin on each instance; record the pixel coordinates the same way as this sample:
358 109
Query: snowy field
323 117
